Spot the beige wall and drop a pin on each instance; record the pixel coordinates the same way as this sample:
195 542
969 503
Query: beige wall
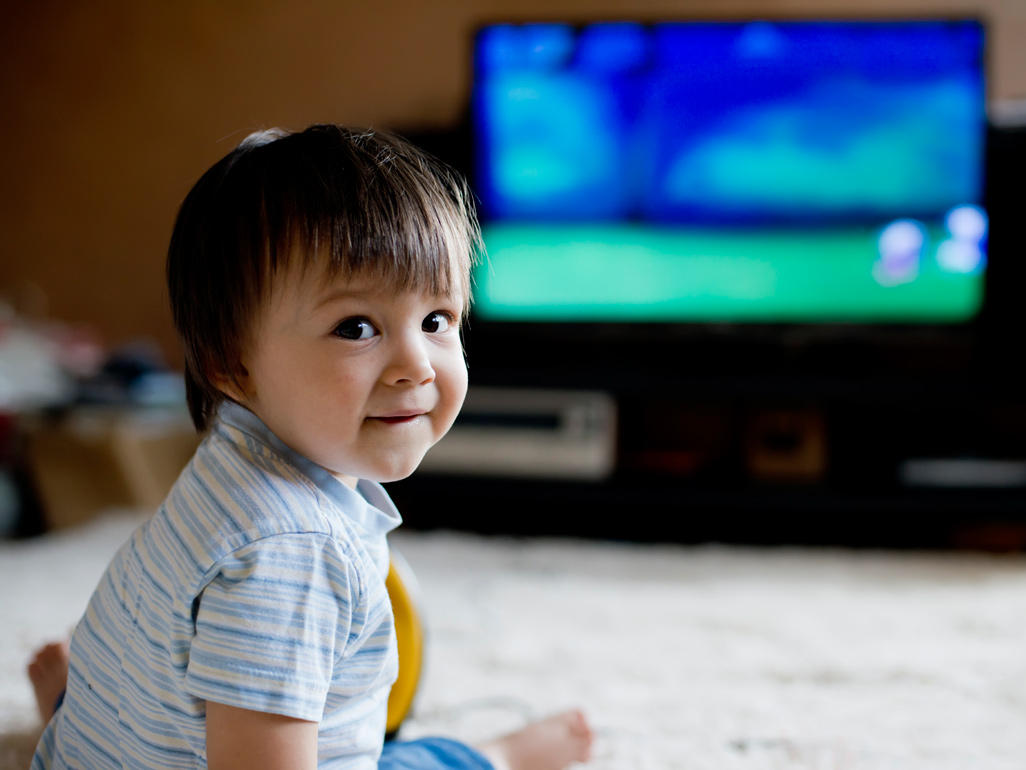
111 110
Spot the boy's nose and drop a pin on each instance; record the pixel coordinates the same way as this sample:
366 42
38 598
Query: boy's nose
409 364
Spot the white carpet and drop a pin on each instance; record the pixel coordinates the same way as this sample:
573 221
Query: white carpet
698 658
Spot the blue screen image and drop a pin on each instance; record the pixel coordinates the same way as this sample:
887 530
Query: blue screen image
757 171
756 122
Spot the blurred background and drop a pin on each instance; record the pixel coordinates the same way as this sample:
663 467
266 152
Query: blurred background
892 427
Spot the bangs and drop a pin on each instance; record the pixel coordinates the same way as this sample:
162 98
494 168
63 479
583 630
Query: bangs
359 203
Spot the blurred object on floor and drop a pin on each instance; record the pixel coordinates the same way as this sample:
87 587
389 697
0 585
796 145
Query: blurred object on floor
82 428
93 458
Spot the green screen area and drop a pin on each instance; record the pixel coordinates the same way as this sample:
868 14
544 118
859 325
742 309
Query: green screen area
635 273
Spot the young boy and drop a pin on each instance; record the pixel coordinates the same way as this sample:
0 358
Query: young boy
318 281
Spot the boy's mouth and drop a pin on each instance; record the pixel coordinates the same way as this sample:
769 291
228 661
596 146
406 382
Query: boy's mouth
399 417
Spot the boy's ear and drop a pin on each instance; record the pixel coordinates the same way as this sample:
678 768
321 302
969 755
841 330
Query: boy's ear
234 385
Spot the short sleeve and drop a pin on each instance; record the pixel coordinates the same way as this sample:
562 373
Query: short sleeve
271 624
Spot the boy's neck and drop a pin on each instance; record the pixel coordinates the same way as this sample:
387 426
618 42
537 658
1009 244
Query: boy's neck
349 481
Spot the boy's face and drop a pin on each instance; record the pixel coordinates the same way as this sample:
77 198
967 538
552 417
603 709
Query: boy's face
357 378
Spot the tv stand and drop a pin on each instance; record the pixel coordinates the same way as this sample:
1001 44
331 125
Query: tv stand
757 461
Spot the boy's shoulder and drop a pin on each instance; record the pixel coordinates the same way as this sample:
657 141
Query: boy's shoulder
237 490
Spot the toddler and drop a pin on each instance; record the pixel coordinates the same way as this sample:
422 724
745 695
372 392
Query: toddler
318 281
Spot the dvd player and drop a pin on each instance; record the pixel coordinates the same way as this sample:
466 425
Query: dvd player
568 434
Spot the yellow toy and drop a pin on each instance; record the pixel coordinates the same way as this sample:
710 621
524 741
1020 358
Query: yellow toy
402 591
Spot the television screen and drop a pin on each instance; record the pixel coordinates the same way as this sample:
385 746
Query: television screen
763 171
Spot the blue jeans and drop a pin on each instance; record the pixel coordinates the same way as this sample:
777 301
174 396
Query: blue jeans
431 754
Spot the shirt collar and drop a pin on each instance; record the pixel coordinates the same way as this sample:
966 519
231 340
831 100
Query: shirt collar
368 505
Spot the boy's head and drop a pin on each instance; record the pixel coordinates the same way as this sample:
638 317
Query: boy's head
327 204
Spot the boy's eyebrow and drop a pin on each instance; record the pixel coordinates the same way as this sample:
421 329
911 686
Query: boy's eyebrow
336 295
339 294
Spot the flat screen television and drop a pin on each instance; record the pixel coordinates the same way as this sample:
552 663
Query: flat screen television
759 172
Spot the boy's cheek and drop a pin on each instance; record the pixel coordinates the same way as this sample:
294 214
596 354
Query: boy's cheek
461 389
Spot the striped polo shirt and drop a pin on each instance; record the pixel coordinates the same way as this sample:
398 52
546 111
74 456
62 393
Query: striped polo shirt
259 583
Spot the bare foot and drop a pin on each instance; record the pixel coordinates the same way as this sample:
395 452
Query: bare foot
551 744
48 672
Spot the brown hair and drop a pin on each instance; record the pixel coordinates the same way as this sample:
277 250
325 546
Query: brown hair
354 202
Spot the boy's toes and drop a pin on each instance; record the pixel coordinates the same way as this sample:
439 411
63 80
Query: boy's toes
48 673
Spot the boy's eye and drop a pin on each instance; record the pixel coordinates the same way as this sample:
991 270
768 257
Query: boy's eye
355 329
437 322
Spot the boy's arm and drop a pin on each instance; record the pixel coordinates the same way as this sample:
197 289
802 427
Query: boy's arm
240 739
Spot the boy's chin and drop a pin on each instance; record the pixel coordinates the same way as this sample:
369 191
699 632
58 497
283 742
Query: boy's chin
387 473
398 474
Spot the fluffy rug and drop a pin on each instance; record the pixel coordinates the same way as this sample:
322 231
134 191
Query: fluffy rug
683 657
